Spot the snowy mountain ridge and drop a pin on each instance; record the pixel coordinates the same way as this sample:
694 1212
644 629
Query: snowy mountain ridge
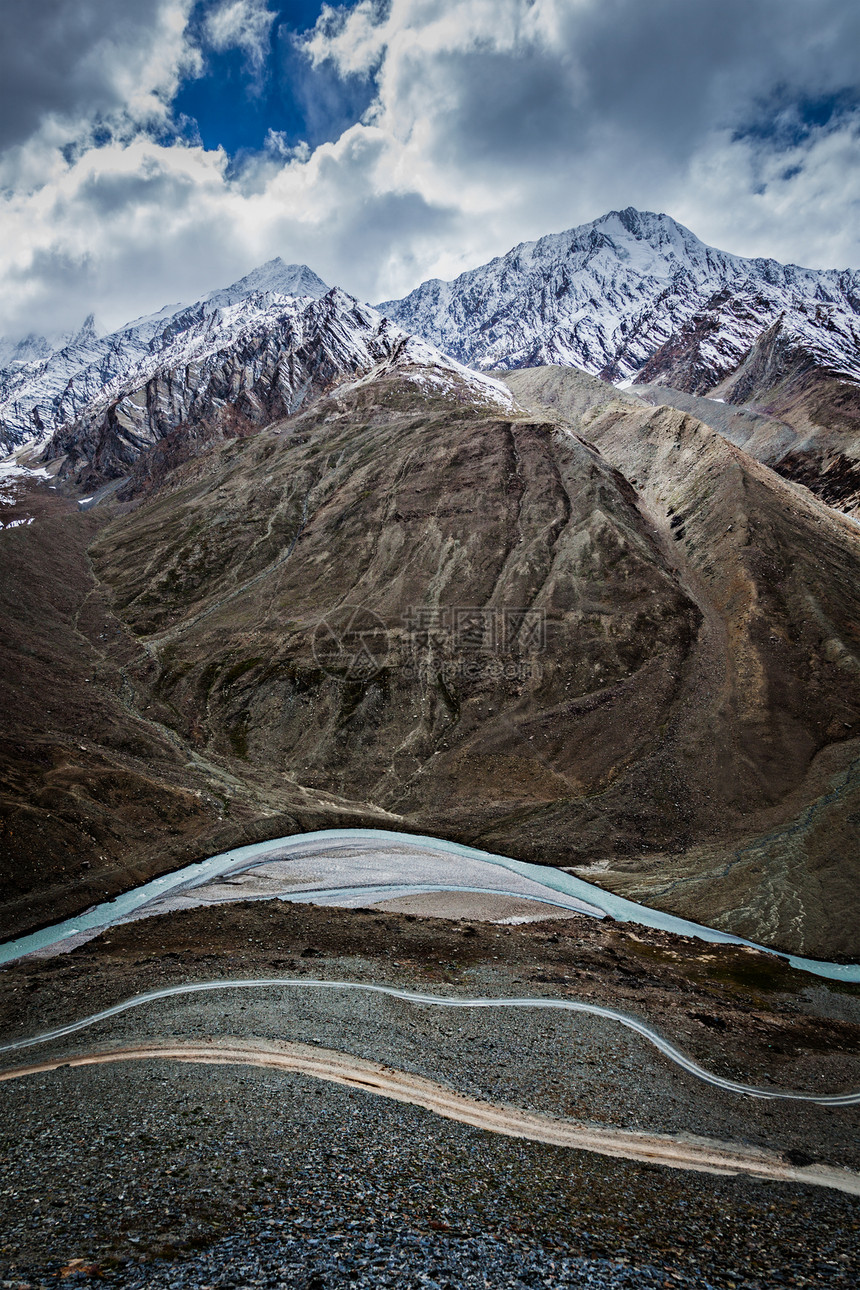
633 297
609 296
248 364
41 391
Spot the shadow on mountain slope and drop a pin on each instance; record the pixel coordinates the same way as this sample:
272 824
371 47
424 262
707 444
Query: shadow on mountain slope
97 792
763 742
682 725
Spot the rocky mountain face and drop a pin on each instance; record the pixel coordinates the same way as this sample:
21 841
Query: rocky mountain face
808 429
348 579
239 360
580 630
629 289
766 736
798 371
636 298
45 386
263 358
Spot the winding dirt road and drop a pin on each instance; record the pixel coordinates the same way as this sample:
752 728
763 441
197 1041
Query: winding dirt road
446 1001
680 1152
705 1155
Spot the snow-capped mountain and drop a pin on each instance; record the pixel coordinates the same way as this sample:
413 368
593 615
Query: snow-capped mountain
633 297
245 355
42 388
29 349
247 364
632 289
276 277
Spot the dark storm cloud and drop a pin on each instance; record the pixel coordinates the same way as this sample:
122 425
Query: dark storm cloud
108 195
366 244
658 76
678 69
59 57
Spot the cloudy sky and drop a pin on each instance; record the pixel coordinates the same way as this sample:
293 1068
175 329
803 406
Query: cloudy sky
152 150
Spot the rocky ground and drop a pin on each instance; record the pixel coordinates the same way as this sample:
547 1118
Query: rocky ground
165 1175
159 1174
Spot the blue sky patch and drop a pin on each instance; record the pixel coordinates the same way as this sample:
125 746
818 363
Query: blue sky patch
786 119
233 104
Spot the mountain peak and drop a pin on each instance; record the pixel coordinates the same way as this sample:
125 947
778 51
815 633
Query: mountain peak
45 384
633 220
86 332
276 276
607 296
654 227
636 221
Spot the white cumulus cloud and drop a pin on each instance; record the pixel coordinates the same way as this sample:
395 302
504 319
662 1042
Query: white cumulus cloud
241 24
489 122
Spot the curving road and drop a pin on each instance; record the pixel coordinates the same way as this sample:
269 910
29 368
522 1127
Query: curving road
443 1001
706 1155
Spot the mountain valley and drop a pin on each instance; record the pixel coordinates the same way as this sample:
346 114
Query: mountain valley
279 563
683 727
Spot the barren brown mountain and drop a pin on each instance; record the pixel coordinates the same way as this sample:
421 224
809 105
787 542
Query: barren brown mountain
602 637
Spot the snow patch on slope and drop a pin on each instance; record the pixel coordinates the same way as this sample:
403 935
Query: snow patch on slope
12 477
433 372
606 296
40 392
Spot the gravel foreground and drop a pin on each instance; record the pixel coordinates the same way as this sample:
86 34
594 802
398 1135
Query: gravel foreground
160 1174
396 1258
